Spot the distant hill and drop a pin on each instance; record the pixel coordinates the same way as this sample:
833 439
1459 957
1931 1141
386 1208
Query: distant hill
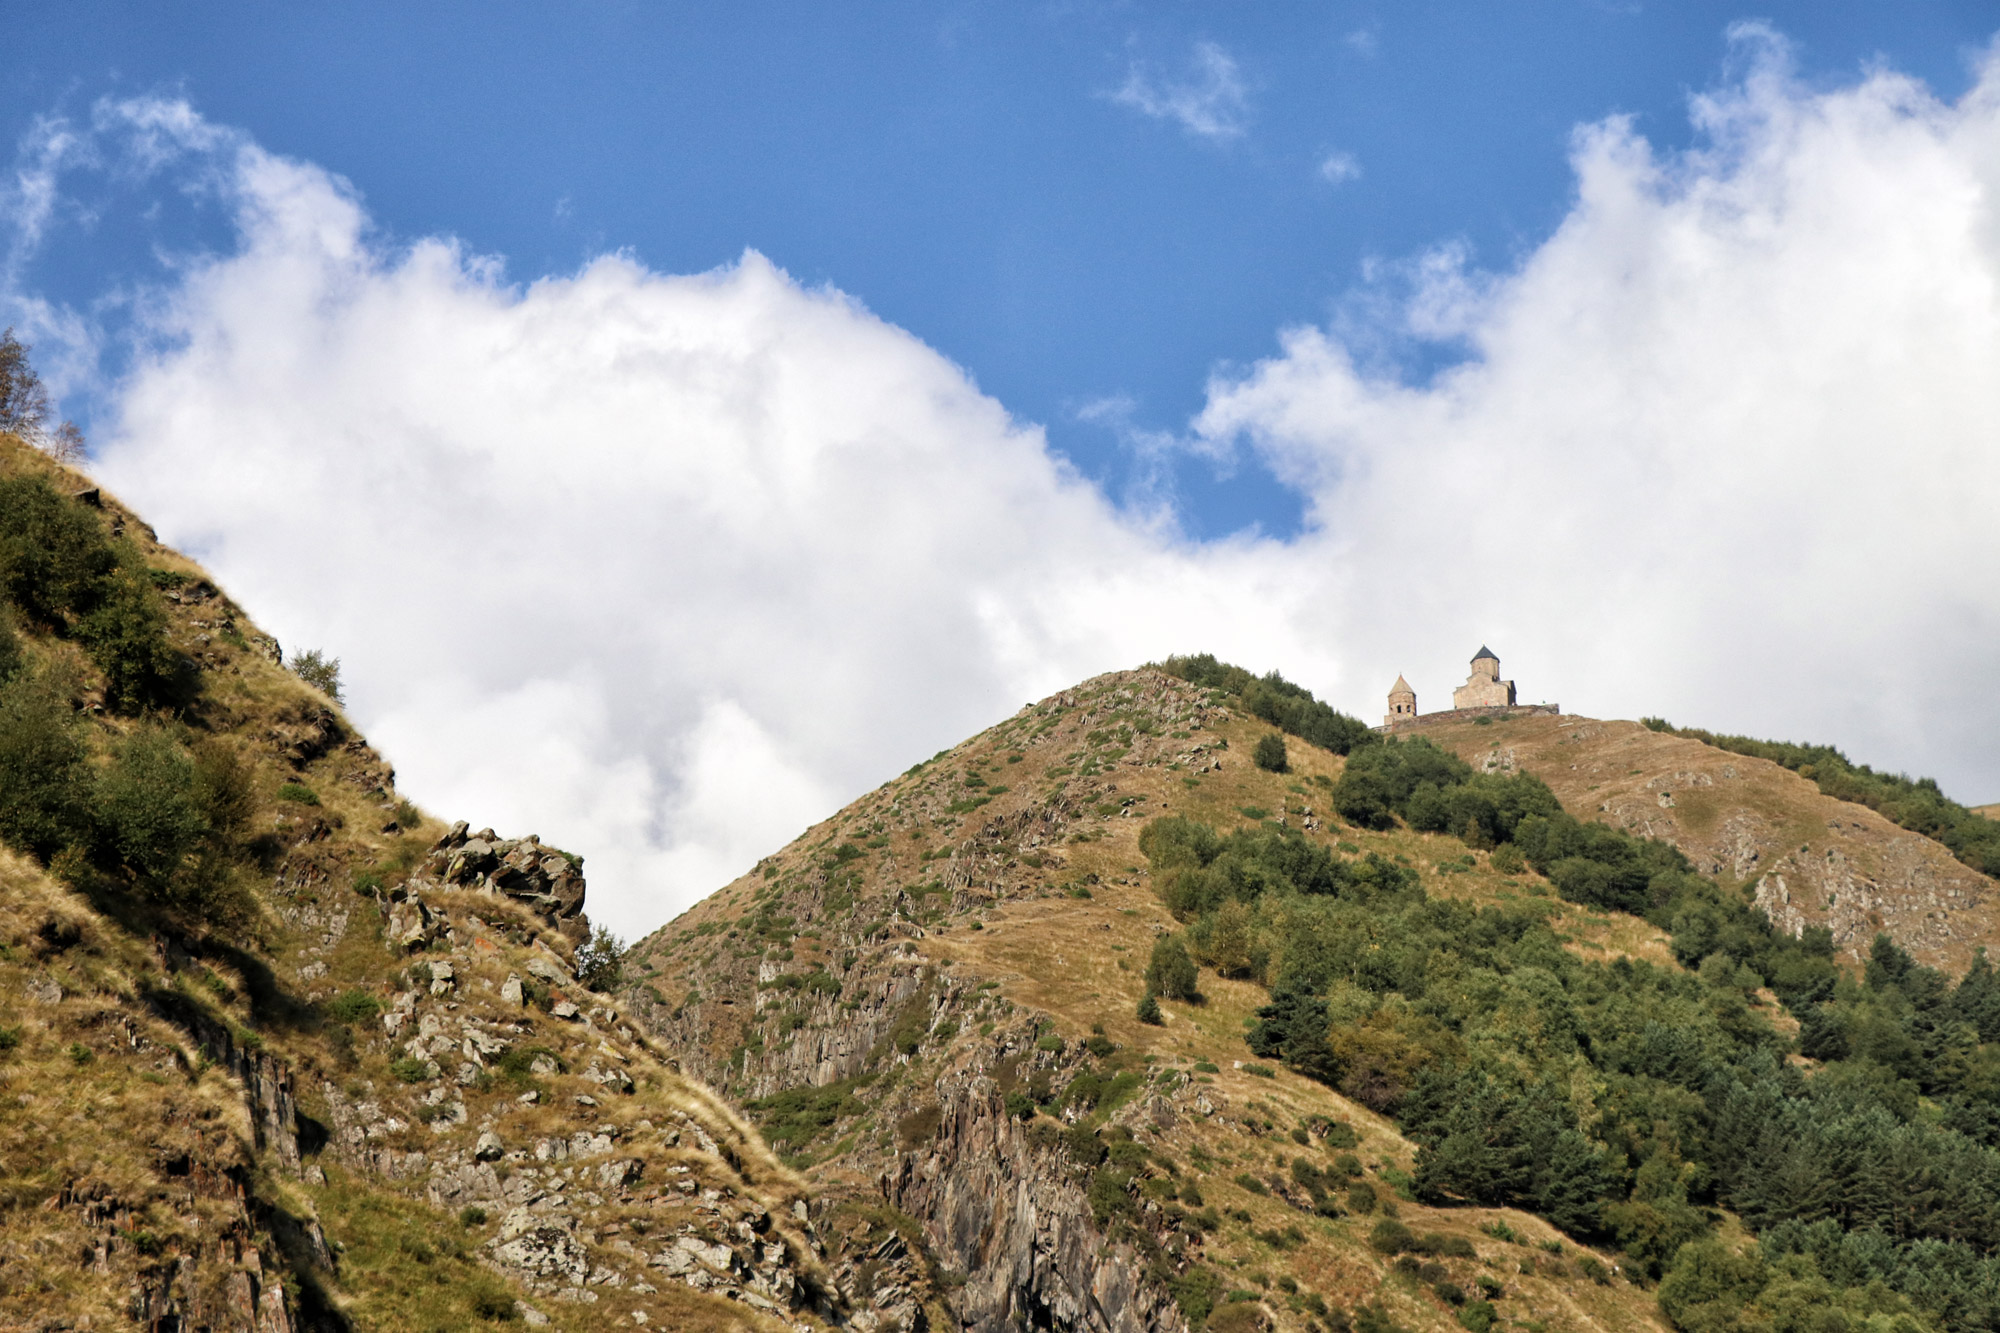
1807 858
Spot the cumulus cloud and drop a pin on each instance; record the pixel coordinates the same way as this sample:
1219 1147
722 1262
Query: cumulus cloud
1722 447
660 567
1210 103
664 567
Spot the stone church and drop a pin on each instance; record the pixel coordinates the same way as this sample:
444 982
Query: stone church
1483 690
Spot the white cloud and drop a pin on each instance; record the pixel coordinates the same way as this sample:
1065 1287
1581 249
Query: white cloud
663 567
1723 447
1211 103
660 568
1339 168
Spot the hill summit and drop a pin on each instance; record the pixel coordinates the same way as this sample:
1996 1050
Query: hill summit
1179 1000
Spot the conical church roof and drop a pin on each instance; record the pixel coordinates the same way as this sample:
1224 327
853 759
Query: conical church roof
1401 686
1484 651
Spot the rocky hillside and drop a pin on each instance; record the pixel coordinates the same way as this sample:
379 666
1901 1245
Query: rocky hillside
894 993
325 1065
1809 859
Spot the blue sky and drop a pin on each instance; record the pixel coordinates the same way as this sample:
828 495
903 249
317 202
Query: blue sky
679 419
968 171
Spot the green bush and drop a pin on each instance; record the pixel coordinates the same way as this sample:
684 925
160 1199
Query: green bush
1392 1237
353 1007
64 573
319 671
173 820
125 633
1149 1010
1270 755
149 807
1171 972
600 961
297 793
411 1070
45 783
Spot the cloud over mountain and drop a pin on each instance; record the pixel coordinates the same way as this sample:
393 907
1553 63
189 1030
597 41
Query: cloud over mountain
662 567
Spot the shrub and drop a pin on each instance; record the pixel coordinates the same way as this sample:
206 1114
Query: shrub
1270 754
600 961
411 1070
125 633
1252 1184
44 777
298 794
1391 1237
319 671
353 1007
1149 1010
472 1216
149 807
58 566
173 818
1171 972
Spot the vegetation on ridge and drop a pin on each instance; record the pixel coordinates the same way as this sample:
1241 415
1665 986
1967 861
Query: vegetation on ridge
1916 804
1623 1100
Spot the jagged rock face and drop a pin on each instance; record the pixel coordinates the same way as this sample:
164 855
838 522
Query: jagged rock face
546 880
1014 1221
1017 1225
1810 859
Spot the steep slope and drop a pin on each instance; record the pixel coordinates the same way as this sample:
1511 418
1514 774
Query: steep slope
314 1066
895 992
1810 859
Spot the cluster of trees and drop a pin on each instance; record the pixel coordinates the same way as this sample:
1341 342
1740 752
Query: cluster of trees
61 573
1916 804
1624 1101
1288 707
149 805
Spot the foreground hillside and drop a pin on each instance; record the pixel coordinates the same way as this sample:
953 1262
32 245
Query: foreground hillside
278 1051
1394 1078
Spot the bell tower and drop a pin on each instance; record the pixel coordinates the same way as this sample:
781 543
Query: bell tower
1402 703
